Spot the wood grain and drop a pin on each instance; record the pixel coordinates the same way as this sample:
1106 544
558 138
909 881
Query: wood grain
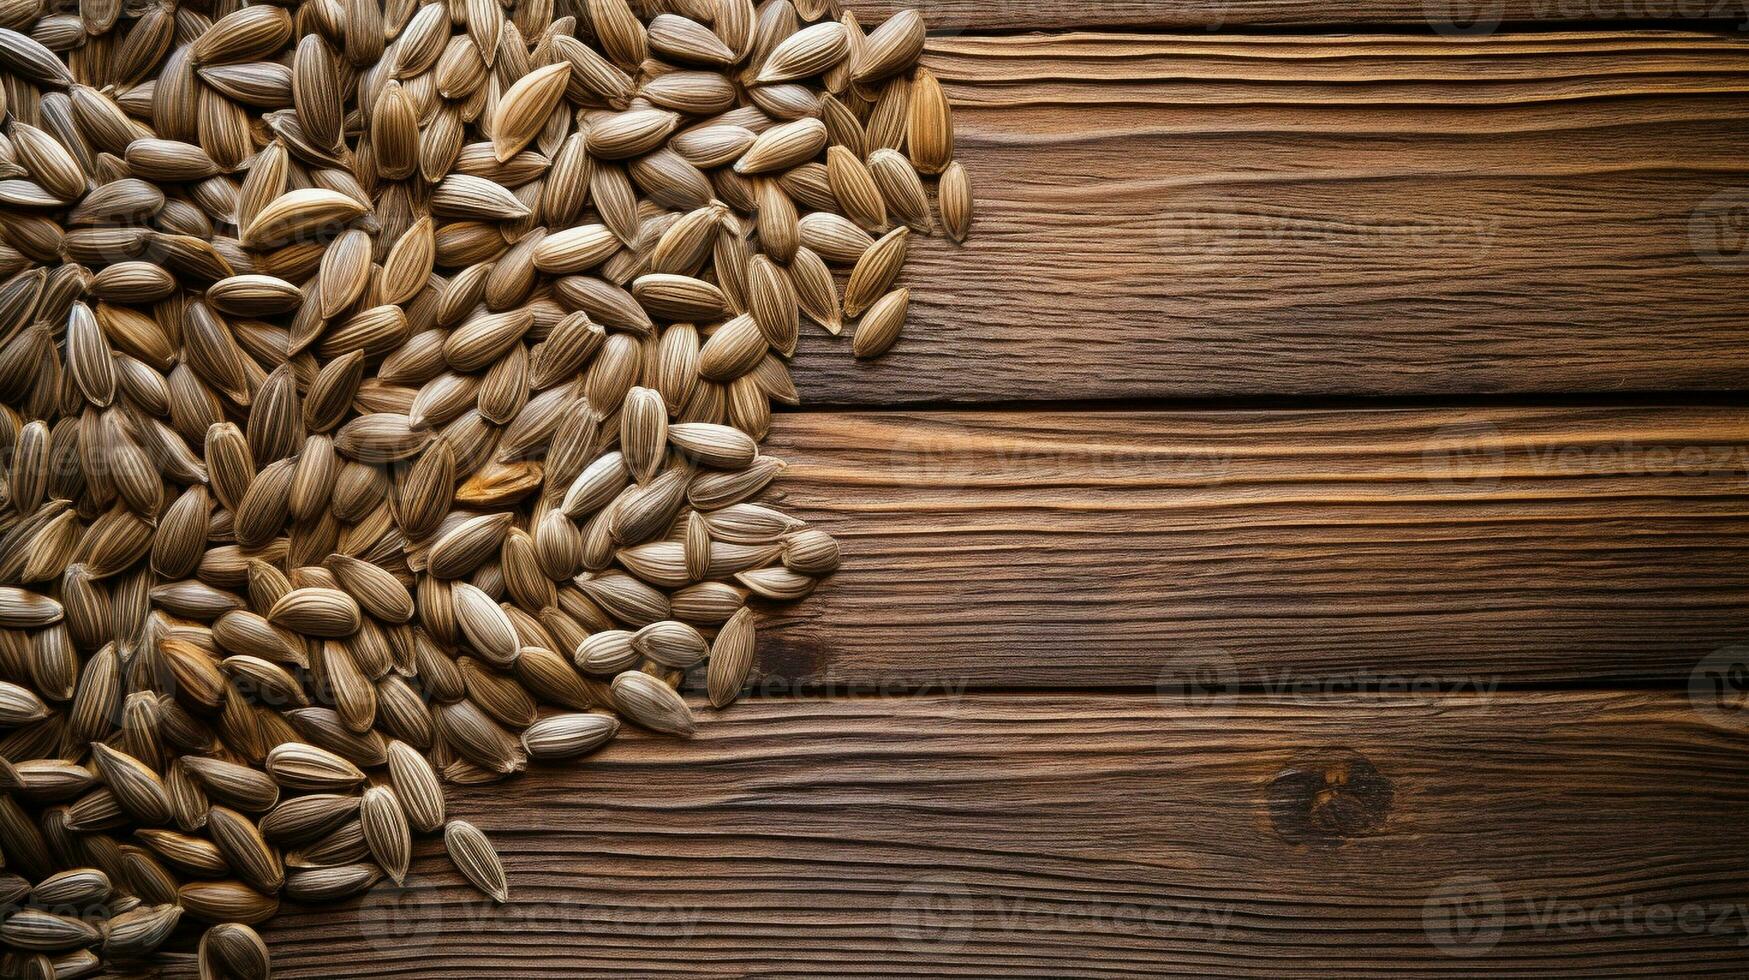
1265 548
1112 836
1254 216
1446 17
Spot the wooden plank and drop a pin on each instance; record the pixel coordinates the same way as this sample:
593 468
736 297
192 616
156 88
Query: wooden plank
1445 17
1266 548
1593 834
1248 216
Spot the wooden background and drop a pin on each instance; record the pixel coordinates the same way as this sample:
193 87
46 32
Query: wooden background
1281 545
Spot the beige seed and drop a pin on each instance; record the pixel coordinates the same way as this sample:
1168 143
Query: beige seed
679 297
386 832
466 196
712 146
244 849
305 818
891 48
394 132
670 643
607 652
816 293
901 187
41 930
22 609
630 134
777 583
625 598
720 446
779 227
929 132
489 632
567 736
317 612
875 271
954 200
380 437
476 859
687 41
813 50
811 552
137 932
479 739
298 213
834 238
880 327
713 490
416 787
226 901
468 545
649 703
643 432
855 188
732 350
300 766
522 111
137 788
330 883
783 147
772 300
731 658
243 787
886 125
576 249
233 949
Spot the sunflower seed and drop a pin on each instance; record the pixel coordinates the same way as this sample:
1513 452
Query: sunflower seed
880 327
476 859
731 658
648 702
569 735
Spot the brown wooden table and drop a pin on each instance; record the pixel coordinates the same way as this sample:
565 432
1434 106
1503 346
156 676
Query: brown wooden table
1299 535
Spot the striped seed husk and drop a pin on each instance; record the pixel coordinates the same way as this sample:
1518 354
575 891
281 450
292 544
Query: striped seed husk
567 736
476 858
235 950
386 832
875 271
880 326
648 702
416 787
731 659
954 201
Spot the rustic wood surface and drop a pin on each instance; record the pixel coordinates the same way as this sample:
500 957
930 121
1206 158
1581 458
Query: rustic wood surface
1100 836
1127 638
1446 17
1188 216
1257 548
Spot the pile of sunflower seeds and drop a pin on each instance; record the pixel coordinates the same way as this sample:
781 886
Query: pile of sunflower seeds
381 391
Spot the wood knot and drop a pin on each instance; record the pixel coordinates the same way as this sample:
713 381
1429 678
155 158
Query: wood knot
1329 796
